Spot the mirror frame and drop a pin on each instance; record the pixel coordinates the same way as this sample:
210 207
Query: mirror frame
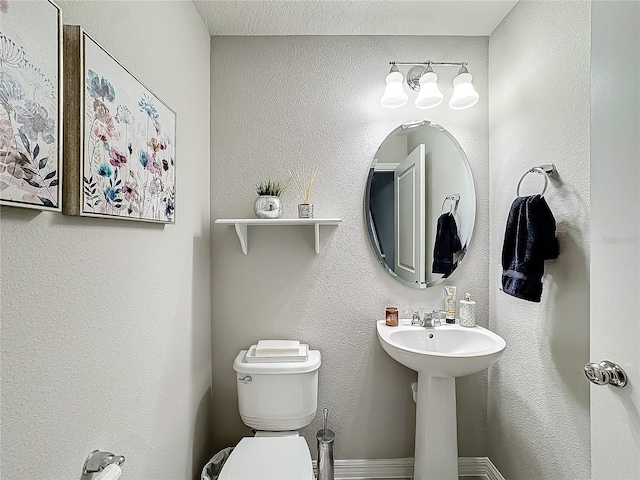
367 204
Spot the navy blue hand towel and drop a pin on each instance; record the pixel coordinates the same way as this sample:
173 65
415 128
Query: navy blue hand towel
529 240
447 243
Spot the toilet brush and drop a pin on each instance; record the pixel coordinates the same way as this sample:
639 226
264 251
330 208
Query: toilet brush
325 439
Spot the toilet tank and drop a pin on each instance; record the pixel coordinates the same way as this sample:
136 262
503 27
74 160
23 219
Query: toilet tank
277 396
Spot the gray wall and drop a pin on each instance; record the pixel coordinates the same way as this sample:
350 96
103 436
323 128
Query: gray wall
279 103
106 323
538 403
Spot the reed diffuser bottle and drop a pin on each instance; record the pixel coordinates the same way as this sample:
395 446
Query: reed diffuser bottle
304 184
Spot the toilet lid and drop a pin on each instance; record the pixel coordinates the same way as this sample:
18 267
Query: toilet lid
269 458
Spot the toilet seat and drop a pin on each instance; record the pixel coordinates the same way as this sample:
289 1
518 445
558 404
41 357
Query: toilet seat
269 458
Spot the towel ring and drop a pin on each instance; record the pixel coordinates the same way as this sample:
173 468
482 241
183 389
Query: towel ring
451 198
535 170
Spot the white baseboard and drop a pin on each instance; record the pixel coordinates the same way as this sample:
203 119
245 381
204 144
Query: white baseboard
478 467
492 471
403 468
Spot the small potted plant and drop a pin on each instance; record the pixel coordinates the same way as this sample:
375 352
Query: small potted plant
268 203
304 184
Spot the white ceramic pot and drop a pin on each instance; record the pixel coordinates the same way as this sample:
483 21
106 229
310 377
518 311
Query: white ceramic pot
268 206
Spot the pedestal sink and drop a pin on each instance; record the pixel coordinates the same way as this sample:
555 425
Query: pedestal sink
439 355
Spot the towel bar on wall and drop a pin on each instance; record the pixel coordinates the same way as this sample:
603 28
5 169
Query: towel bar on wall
546 170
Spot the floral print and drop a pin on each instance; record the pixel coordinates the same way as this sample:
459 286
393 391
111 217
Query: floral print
11 55
28 128
169 207
110 194
35 80
104 170
154 166
143 158
104 126
146 105
35 122
128 166
156 145
124 115
98 87
117 159
10 91
129 191
6 134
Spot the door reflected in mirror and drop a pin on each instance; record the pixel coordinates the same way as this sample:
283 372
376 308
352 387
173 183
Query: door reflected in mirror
420 204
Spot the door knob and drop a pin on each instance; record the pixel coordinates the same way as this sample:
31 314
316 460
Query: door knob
606 373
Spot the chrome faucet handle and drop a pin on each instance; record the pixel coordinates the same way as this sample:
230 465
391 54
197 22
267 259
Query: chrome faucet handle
415 317
428 320
434 319
438 317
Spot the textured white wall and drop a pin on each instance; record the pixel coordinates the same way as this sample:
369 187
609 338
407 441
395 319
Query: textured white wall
538 402
279 103
106 324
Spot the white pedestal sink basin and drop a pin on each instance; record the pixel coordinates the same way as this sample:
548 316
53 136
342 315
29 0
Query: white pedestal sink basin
439 355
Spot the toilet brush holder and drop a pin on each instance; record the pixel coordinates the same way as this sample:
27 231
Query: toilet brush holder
326 439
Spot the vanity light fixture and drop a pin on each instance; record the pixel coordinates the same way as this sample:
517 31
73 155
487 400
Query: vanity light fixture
464 95
394 95
429 95
424 80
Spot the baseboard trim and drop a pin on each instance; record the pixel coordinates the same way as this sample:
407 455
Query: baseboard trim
403 468
492 471
369 468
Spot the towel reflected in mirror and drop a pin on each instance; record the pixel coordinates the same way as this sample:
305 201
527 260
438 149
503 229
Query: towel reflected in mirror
447 244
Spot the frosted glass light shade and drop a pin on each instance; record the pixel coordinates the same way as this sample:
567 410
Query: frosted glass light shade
464 95
429 95
394 95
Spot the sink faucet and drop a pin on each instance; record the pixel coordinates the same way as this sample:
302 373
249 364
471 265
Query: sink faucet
433 319
415 317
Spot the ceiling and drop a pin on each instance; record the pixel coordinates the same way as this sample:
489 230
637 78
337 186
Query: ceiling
359 17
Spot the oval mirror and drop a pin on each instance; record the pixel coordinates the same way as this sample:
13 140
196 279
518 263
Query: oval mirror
420 204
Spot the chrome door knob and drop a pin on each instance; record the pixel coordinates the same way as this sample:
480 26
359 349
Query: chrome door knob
596 374
606 373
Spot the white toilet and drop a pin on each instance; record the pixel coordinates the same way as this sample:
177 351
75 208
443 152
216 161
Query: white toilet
276 399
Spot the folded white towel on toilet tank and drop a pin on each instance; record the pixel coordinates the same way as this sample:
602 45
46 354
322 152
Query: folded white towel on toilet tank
277 347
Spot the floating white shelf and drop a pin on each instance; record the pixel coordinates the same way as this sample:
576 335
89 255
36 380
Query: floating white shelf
242 225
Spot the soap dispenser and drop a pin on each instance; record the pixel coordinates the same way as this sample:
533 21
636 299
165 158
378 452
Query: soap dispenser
467 311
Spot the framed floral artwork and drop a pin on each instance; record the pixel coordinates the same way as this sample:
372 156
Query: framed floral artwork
30 104
120 139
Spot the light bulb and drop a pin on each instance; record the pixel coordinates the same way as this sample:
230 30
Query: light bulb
464 95
394 95
429 95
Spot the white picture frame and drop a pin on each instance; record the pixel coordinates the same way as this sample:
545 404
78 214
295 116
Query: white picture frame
31 105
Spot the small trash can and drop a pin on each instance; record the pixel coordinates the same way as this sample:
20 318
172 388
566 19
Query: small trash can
211 471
